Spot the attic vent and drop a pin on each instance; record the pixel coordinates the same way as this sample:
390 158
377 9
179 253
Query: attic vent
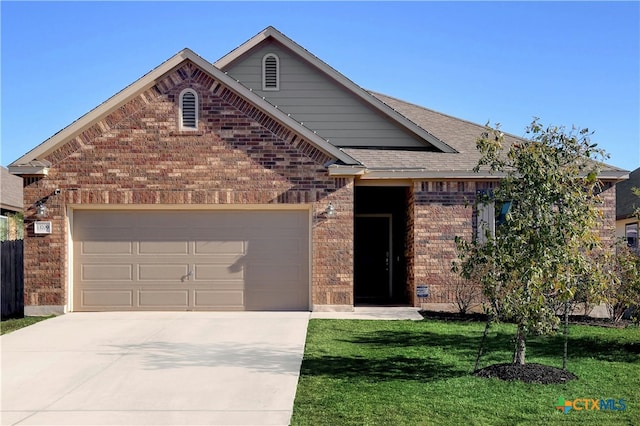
270 72
188 110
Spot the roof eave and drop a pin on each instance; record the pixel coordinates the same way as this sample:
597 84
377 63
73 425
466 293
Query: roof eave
28 170
422 174
337 170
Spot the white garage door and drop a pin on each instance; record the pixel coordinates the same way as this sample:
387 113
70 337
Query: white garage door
190 260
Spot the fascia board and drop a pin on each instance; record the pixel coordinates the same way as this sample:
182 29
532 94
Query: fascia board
29 170
339 78
427 174
460 174
339 170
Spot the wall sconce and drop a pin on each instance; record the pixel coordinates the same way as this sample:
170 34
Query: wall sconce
330 211
41 210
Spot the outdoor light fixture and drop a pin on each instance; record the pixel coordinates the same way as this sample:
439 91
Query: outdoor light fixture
330 210
41 210
327 213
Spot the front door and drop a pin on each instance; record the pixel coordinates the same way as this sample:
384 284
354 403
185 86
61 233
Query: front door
372 252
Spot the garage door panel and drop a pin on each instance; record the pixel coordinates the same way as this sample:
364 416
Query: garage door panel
165 272
272 274
275 249
107 272
220 247
107 247
164 298
218 273
163 247
111 298
220 299
268 300
239 260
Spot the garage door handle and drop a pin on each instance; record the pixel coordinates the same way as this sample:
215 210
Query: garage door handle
186 277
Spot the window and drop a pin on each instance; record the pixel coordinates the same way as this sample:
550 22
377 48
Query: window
631 234
188 110
485 215
270 72
486 221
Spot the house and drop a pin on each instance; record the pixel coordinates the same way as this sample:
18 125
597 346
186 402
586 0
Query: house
627 204
264 181
11 199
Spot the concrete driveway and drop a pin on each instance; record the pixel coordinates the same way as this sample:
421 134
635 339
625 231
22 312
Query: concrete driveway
153 368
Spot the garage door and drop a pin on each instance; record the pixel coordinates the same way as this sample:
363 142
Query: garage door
193 260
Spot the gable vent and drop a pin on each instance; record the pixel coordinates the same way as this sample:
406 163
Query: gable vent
270 69
188 110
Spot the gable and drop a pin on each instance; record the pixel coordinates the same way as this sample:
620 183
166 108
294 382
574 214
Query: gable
137 95
319 102
323 99
139 155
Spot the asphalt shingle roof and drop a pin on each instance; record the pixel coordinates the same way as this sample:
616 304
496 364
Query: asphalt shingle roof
458 133
626 200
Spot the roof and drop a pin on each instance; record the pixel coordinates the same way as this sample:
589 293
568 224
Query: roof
455 138
626 200
10 191
34 161
457 133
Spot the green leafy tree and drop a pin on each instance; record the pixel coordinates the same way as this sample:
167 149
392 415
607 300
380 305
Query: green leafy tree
542 254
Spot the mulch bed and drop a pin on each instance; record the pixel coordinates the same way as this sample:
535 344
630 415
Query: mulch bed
528 373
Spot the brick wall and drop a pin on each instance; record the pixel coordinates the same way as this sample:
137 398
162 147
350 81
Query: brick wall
239 155
442 210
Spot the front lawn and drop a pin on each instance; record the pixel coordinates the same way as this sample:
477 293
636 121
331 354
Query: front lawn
419 373
9 325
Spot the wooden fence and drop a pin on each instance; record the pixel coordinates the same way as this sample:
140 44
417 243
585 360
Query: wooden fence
12 276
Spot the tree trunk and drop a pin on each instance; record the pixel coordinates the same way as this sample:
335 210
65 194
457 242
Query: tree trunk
482 342
518 354
566 335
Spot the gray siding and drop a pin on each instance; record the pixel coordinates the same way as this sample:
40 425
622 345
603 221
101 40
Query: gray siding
320 103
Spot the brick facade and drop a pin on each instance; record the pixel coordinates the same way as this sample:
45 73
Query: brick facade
137 156
442 210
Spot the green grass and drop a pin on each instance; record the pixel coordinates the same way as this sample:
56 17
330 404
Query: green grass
7 326
418 373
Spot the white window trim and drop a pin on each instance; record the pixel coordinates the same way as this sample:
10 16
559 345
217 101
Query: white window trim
181 116
264 72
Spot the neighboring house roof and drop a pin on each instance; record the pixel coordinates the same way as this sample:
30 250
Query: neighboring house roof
10 191
34 161
626 201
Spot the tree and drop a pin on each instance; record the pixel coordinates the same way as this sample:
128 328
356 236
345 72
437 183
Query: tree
542 254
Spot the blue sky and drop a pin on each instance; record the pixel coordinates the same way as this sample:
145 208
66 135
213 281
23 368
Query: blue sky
569 63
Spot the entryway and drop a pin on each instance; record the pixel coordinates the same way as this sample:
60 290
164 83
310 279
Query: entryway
379 245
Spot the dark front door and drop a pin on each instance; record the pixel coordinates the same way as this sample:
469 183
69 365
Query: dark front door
372 252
